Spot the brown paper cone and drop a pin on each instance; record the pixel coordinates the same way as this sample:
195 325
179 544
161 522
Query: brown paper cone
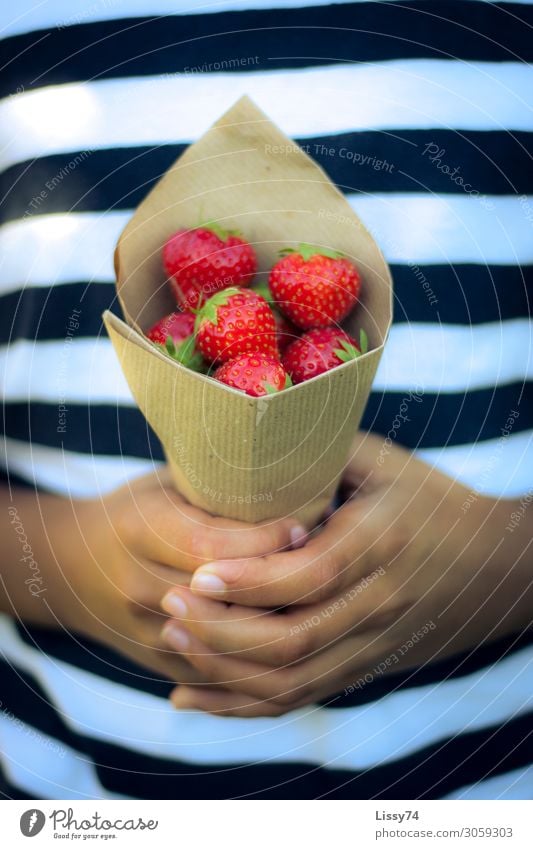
231 454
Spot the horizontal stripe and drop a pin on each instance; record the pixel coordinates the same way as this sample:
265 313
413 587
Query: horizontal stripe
67 473
449 358
447 420
497 467
403 94
427 773
56 249
399 161
429 357
105 429
27 761
393 727
517 784
465 294
361 32
30 17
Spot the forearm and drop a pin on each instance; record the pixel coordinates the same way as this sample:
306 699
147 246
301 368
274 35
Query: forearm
513 559
42 557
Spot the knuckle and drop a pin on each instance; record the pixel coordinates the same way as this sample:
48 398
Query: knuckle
295 646
285 686
328 577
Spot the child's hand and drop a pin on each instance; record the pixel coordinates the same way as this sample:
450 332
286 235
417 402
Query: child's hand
140 541
413 552
103 566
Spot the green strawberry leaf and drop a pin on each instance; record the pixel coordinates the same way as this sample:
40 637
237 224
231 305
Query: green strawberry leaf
270 390
183 353
346 352
218 230
288 382
170 346
363 341
309 251
209 311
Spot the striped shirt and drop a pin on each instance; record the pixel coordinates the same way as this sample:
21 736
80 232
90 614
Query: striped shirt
421 112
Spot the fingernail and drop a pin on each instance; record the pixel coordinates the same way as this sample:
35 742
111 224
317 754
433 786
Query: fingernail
174 604
208 583
298 536
176 636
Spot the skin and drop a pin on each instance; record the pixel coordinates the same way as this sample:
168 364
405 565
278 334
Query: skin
438 554
101 567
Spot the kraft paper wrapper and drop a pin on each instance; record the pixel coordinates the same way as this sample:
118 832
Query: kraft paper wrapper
231 454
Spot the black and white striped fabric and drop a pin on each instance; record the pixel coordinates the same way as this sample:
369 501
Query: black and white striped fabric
422 113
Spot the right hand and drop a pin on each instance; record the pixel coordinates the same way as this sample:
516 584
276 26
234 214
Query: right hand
140 541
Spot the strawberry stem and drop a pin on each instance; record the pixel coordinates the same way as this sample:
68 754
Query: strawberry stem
218 230
308 251
209 311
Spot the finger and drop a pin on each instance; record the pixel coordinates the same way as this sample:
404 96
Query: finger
328 563
277 639
288 685
144 585
220 702
168 529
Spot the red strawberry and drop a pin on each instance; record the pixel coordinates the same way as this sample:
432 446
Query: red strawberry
256 374
173 335
177 325
235 321
313 286
202 261
320 350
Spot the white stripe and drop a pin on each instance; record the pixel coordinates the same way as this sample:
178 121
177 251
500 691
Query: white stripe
395 726
82 371
32 16
410 93
452 358
68 473
500 467
44 767
517 784
62 248
431 358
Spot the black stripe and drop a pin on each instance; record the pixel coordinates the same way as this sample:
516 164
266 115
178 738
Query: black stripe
42 314
99 660
9 791
95 658
462 294
428 773
392 161
449 419
359 32
433 421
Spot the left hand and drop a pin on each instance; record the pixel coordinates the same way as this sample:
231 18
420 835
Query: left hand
410 551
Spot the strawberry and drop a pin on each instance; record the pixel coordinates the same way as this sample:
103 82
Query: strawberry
177 325
173 336
314 287
235 321
256 374
320 350
205 260
285 331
